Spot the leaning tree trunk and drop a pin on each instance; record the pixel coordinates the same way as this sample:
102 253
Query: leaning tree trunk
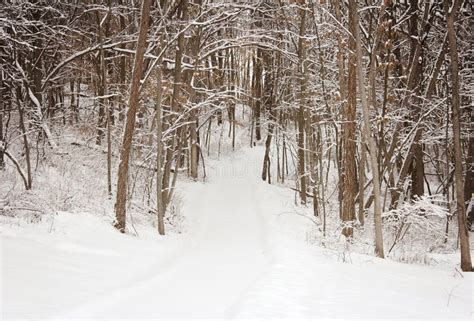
122 183
466 264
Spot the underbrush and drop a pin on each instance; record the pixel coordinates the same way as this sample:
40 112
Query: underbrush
74 179
417 232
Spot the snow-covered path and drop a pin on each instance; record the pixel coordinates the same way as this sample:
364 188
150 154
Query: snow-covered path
224 255
239 258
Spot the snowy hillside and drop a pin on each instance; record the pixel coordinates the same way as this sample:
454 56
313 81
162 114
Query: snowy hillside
244 255
249 160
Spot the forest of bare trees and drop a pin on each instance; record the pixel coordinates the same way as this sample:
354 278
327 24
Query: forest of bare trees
366 102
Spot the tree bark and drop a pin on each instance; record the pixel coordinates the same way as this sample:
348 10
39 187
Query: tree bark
173 150
469 183
301 114
369 137
104 108
258 93
349 176
28 181
466 264
2 110
160 209
122 182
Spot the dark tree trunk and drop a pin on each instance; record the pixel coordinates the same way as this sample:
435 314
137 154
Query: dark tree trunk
122 182
301 110
349 178
25 139
466 264
469 183
258 93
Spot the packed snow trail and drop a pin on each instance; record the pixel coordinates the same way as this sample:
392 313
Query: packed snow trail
243 255
226 252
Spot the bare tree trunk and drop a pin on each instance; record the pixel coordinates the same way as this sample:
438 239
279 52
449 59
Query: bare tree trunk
343 97
109 150
269 101
122 69
25 140
369 137
301 114
266 158
104 107
175 108
417 168
258 93
2 110
469 183
72 99
194 45
101 93
466 264
349 179
361 213
78 99
193 137
122 182
340 53
160 209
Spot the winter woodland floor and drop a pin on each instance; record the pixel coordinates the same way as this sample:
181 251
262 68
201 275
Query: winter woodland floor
243 255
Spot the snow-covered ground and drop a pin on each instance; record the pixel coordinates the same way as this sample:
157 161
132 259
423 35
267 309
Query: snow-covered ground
243 254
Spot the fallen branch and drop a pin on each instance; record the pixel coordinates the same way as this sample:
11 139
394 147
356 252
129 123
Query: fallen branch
17 165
